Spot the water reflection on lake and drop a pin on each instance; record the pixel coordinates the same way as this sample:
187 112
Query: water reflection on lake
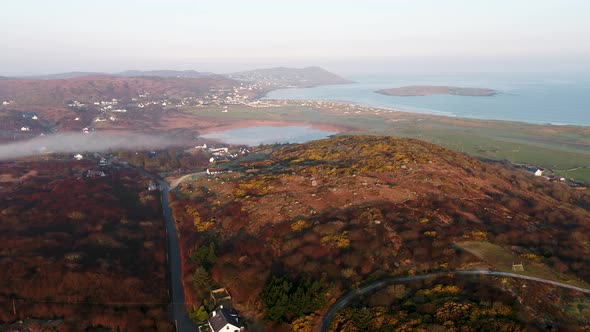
269 134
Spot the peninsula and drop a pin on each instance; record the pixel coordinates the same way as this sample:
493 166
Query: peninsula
427 90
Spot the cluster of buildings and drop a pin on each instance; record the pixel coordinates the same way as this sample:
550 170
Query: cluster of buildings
271 80
28 116
76 103
223 153
339 107
548 174
539 171
236 95
101 162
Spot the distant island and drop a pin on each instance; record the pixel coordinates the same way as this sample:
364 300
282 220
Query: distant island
427 90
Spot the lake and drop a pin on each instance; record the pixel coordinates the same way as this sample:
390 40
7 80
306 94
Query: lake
533 98
257 135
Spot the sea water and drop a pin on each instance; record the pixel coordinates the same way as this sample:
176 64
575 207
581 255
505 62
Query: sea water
533 98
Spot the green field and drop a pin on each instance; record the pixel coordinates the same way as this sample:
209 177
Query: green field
501 260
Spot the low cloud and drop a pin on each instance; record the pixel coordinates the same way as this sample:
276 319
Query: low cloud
78 142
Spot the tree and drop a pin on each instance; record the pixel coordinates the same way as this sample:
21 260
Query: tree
286 300
199 315
205 256
201 280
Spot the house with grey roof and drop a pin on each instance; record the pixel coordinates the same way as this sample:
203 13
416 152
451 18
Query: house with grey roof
225 319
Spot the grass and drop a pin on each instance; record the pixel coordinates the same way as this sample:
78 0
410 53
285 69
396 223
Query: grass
579 308
501 259
560 160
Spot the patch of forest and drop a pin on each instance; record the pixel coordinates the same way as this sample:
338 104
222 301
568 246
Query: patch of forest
82 244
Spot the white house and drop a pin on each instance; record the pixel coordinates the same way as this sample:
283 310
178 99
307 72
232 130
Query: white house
215 171
219 151
538 172
224 319
25 129
5 103
34 117
95 174
78 157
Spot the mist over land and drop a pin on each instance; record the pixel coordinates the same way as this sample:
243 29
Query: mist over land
79 143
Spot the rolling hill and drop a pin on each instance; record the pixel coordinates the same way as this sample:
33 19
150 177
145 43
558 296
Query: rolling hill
290 77
49 98
127 73
349 209
164 73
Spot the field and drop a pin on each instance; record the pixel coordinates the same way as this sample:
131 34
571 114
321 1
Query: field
502 259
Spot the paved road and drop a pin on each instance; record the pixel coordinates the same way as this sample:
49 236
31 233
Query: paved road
178 181
183 323
346 299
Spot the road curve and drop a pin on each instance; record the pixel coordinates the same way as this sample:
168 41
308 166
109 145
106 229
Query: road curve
183 323
346 299
178 181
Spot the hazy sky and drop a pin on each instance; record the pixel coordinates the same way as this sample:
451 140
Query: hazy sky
44 36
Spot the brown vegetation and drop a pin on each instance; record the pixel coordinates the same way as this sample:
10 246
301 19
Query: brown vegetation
90 251
352 209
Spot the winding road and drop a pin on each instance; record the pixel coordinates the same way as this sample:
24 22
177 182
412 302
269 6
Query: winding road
346 299
178 181
183 323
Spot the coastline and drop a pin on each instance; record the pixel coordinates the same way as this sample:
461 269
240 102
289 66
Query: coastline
513 101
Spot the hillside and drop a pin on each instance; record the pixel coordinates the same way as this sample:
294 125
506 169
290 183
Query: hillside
164 73
63 76
427 90
127 73
100 87
59 102
355 208
81 245
281 77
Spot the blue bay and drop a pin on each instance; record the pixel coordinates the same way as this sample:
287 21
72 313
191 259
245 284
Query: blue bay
532 98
